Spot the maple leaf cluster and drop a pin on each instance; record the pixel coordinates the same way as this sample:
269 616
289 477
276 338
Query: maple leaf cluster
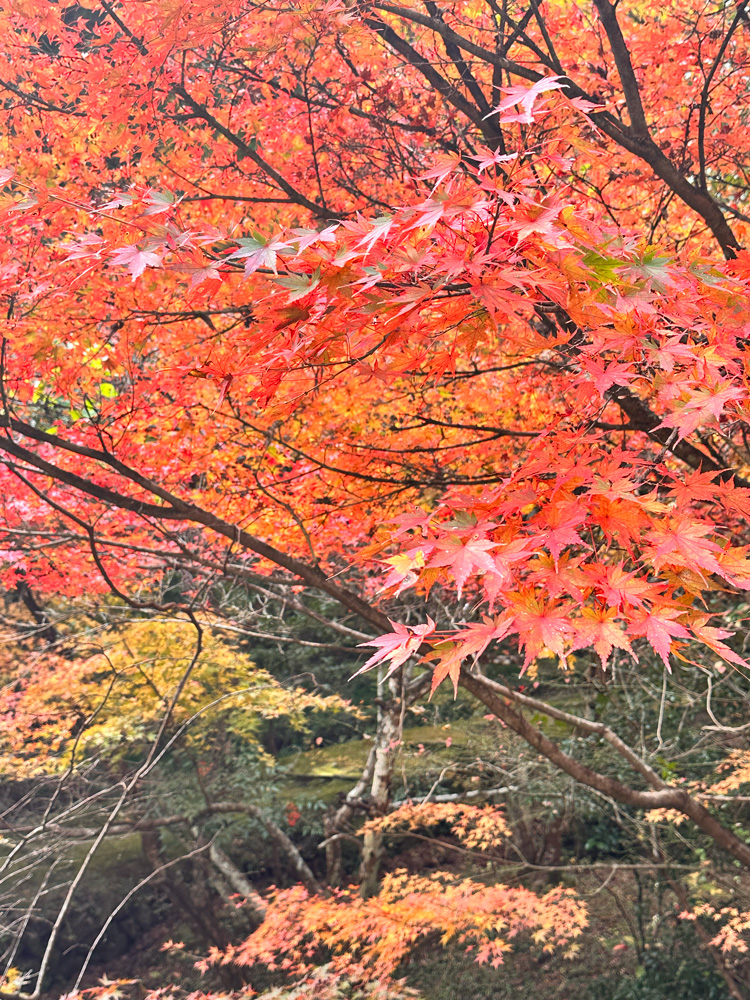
382 931
599 552
477 827
295 293
526 544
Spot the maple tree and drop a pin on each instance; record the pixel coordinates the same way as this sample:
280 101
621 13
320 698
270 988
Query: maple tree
437 313
122 689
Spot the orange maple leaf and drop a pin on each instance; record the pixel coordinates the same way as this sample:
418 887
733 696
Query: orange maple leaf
598 627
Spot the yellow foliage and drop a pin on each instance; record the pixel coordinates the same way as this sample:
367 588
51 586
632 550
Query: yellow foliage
477 827
738 766
12 981
114 699
735 924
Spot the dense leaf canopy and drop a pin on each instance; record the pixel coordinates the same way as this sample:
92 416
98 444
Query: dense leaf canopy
440 313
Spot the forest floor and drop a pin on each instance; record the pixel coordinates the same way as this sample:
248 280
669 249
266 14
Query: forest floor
635 947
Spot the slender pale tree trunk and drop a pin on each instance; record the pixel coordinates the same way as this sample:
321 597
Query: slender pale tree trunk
404 691
338 817
387 740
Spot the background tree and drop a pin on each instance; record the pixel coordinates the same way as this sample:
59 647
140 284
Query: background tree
440 289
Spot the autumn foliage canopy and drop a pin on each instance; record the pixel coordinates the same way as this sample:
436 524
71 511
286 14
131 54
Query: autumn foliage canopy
439 311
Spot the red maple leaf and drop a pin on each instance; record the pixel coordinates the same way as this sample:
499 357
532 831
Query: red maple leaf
659 628
463 556
560 524
525 97
619 588
681 541
472 641
712 637
703 404
396 646
500 577
559 577
696 485
135 259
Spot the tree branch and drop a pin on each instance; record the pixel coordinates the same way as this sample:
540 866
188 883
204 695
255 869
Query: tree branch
607 16
295 196
439 83
703 104
665 797
637 142
454 53
180 510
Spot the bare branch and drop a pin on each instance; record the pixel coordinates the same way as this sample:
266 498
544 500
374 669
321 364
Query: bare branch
666 797
251 153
